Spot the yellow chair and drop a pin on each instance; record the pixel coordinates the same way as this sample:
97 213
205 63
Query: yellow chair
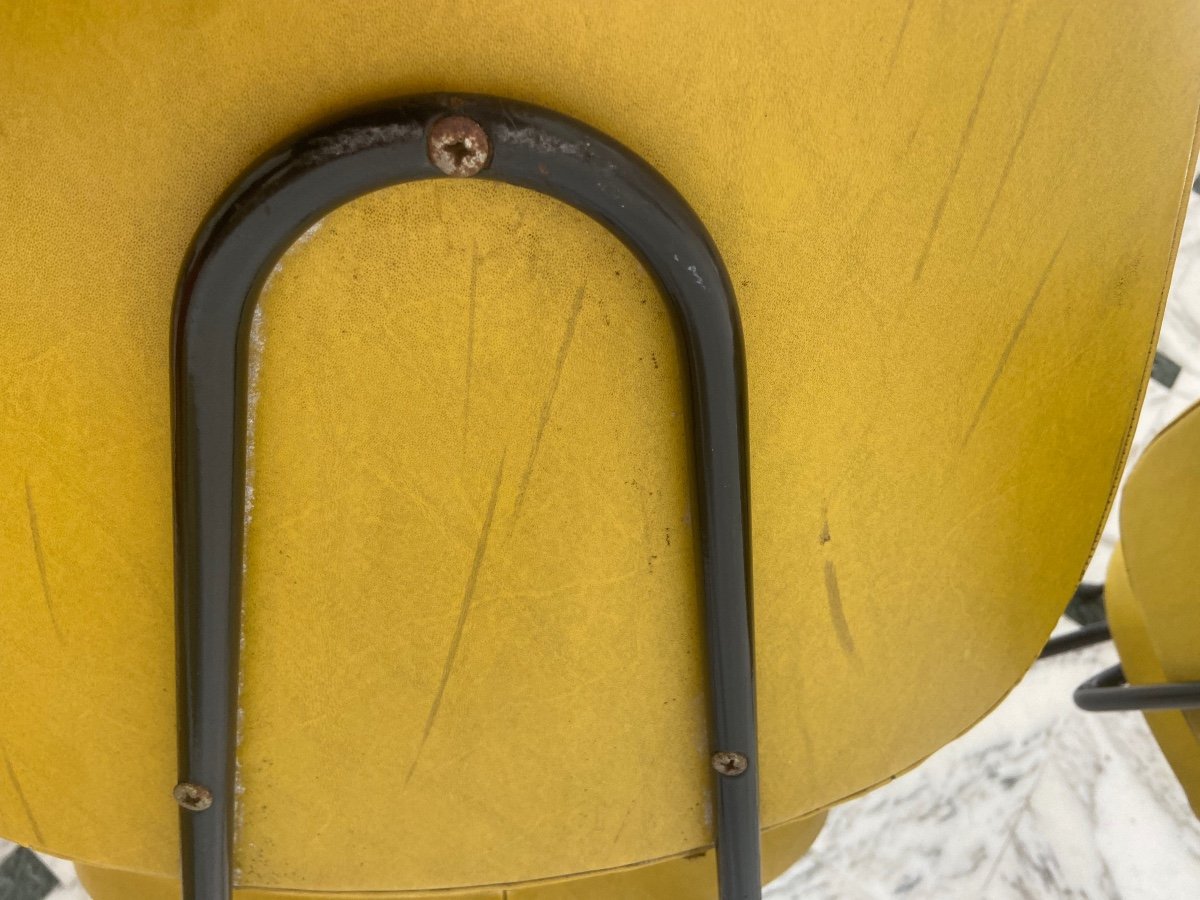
473 659
1152 597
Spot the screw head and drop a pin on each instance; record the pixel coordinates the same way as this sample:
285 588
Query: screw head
193 797
459 146
730 762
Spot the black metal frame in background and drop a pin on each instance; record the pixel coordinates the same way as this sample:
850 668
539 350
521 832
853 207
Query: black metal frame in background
1108 691
1086 636
241 240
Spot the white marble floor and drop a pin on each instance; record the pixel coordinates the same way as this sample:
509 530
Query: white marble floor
1039 801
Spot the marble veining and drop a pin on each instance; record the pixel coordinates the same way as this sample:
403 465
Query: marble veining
1039 801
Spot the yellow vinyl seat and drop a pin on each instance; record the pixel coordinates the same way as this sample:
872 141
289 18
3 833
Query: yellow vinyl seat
472 658
1152 593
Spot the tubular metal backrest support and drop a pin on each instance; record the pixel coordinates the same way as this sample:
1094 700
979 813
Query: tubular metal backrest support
242 239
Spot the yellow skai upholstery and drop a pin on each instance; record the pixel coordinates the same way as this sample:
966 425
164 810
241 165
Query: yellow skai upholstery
473 651
687 878
1152 594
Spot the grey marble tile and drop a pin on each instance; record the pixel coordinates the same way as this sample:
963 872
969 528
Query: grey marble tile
23 876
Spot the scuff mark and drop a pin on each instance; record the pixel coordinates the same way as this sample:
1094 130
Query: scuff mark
544 417
40 555
940 209
463 612
1030 107
825 537
24 801
471 294
805 733
647 536
1120 462
624 822
1012 342
899 41
836 611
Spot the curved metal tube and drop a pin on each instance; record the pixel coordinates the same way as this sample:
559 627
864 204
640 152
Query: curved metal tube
1084 636
1108 691
239 243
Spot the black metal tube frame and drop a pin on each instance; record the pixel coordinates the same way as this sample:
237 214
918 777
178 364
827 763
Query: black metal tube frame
1108 691
267 209
1085 636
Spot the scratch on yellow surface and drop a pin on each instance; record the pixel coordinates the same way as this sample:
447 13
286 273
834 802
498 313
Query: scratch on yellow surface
463 612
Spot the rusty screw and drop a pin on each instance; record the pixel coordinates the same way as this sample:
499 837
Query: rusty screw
193 797
459 146
729 762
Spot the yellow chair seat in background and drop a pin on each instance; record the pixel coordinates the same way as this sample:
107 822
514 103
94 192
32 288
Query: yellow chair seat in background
1152 594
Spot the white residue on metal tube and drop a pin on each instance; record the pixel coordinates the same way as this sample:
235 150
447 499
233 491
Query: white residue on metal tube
304 238
539 141
253 368
308 235
363 138
257 343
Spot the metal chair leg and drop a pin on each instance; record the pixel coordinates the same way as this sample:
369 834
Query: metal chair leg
1086 636
411 139
1108 691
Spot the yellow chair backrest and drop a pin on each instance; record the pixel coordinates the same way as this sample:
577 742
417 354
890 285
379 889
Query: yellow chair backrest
472 638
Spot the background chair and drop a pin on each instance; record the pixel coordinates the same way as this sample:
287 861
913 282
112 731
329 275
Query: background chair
1152 586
